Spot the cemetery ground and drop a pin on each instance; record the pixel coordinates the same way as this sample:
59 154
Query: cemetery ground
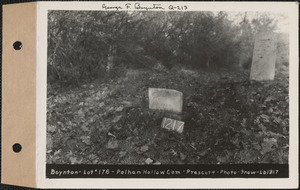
228 119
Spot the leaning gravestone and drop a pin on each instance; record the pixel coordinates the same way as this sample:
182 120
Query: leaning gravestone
165 100
264 57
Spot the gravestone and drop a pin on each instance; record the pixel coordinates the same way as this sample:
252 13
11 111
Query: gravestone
264 57
165 99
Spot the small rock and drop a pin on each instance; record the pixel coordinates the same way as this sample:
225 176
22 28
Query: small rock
86 140
51 128
122 154
112 144
92 86
112 135
110 109
173 152
99 94
156 163
81 103
136 132
84 86
149 161
74 160
57 152
127 103
63 99
117 118
268 99
84 128
203 153
101 104
89 100
81 113
95 161
182 156
120 109
144 148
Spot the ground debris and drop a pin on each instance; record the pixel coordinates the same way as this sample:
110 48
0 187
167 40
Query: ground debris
227 119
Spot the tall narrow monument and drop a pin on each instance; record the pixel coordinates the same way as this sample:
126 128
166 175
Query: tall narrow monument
264 57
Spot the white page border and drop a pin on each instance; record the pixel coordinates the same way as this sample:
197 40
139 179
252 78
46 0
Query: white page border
291 182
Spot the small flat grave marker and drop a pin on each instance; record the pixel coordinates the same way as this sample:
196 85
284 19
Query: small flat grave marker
264 57
165 99
172 124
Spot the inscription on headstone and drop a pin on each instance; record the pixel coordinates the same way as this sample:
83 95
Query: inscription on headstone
172 124
165 99
264 57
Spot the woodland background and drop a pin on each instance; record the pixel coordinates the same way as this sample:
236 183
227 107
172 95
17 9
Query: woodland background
84 45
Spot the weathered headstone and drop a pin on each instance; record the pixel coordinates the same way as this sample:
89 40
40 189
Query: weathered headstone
264 57
165 99
172 124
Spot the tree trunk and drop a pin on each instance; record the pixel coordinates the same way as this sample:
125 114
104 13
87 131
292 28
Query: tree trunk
208 63
111 58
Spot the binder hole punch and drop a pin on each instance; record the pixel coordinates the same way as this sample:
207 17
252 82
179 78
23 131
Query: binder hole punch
17 148
17 45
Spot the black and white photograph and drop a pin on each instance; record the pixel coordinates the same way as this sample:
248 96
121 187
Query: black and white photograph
167 87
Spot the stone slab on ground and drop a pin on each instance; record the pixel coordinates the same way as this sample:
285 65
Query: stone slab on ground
264 57
165 99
